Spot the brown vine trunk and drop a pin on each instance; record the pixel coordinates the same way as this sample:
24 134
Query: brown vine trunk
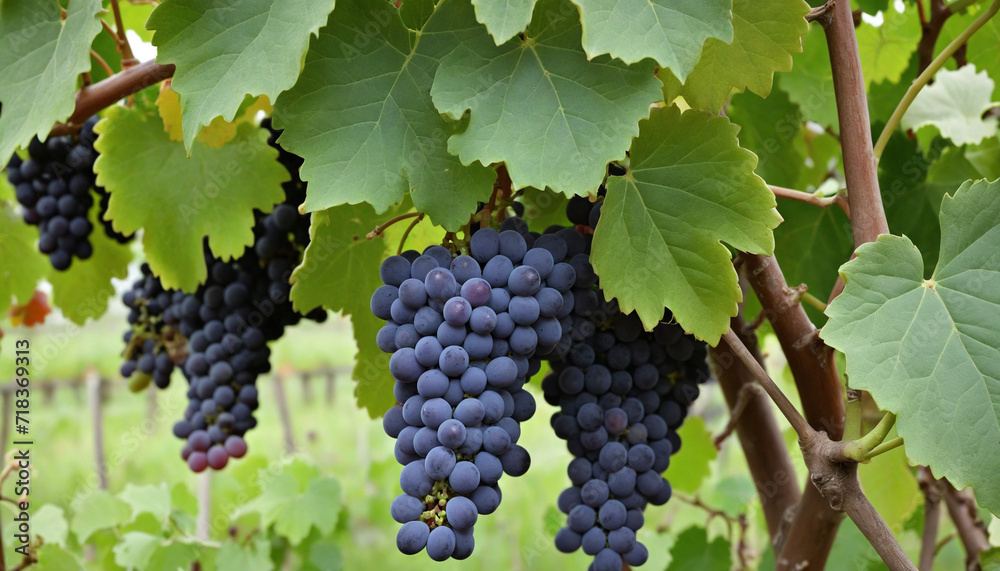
814 526
758 432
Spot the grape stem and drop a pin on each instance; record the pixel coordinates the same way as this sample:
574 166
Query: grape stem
925 76
785 406
100 61
885 447
746 394
814 199
731 521
381 227
858 450
406 234
128 59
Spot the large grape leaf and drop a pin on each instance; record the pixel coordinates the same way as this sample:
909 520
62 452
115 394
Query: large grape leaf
885 50
226 50
83 292
955 104
929 350
179 200
555 118
41 56
21 266
362 118
689 187
765 35
671 32
504 18
810 83
340 272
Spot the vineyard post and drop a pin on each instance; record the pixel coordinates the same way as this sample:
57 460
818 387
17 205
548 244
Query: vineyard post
286 418
305 378
331 377
204 521
93 380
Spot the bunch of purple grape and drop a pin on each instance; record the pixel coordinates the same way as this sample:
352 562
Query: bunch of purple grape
622 394
464 333
224 328
54 186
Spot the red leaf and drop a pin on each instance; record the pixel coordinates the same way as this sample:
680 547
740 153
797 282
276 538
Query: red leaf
31 313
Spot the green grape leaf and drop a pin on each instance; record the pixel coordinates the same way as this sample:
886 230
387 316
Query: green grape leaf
54 557
339 271
135 548
770 129
689 187
693 552
504 18
293 510
106 46
929 350
765 35
989 560
885 50
982 49
152 499
669 32
83 292
985 157
233 556
225 51
884 96
49 523
177 200
693 463
362 118
955 104
21 266
555 118
912 190
810 246
810 83
42 56
98 510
